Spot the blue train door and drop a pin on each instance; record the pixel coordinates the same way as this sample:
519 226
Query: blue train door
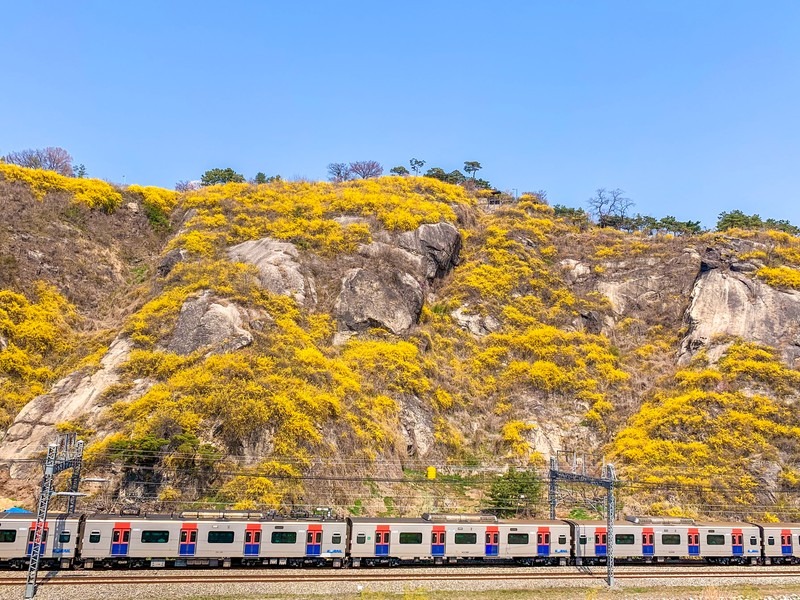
492 540
382 540
120 539
438 541
42 543
786 542
188 543
543 541
737 542
314 540
693 539
600 541
252 540
648 545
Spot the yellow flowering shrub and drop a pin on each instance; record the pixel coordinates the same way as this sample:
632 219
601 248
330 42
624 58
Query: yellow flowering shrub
38 333
780 277
712 430
315 215
156 197
94 193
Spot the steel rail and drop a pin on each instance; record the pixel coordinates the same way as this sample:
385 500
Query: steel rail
351 576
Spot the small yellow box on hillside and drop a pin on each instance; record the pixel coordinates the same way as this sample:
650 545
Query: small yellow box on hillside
431 472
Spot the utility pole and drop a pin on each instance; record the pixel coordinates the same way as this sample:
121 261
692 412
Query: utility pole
66 453
607 482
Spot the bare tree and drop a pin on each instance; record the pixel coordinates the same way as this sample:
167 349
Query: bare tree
187 186
366 168
49 159
338 172
610 207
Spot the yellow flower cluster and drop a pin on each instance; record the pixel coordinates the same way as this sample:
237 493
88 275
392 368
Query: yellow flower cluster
94 193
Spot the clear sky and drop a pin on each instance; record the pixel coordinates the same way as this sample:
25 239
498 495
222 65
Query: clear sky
692 107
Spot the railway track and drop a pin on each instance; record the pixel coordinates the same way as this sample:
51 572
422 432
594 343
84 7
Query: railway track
366 577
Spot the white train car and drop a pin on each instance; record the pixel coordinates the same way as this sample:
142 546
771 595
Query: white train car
529 542
452 538
59 542
781 542
659 539
211 539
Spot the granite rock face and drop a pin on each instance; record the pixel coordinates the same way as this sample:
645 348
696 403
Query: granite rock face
75 397
279 268
727 301
207 323
369 299
439 244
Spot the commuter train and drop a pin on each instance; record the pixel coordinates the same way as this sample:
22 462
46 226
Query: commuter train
234 538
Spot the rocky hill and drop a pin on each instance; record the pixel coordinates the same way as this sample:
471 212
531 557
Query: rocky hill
239 344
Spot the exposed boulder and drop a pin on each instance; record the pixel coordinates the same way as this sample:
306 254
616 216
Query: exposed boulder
479 325
395 257
368 299
439 244
650 285
206 323
726 302
278 266
171 258
77 396
417 426
576 271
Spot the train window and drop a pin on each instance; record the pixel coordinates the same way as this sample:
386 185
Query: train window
284 537
624 538
410 537
193 536
753 540
582 540
518 538
258 537
32 532
184 536
770 541
126 536
671 539
220 537
361 538
8 535
94 537
466 538
562 539
715 540
155 537
63 537
248 537
336 538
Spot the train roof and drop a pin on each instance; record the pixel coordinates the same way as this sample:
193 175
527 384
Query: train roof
777 525
182 517
29 516
466 521
667 524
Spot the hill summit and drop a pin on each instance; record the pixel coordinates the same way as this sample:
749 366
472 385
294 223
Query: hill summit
296 343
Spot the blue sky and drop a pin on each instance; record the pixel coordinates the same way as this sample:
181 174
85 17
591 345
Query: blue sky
692 107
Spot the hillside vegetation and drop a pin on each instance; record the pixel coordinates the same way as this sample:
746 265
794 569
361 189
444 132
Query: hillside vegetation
545 336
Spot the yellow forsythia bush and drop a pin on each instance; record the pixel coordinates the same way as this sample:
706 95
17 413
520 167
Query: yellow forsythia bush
94 193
